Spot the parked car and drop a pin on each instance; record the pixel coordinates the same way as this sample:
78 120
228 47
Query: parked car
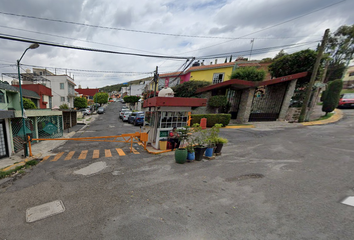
132 117
125 107
139 120
121 113
100 110
346 100
126 115
86 111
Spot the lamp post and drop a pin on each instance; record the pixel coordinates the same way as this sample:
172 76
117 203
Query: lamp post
32 46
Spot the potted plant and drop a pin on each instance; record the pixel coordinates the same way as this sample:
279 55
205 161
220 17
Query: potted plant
219 143
200 141
191 153
181 152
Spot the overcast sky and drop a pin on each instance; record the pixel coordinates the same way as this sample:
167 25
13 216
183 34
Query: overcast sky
282 24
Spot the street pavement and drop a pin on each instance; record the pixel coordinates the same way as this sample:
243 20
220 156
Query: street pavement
284 183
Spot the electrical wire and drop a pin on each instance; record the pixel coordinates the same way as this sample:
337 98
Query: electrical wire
28 40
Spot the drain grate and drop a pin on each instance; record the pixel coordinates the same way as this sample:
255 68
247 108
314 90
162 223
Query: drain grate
246 176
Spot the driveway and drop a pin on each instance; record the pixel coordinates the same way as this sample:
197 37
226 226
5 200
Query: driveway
267 184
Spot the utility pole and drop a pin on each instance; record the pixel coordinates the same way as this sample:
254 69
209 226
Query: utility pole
252 41
156 77
313 77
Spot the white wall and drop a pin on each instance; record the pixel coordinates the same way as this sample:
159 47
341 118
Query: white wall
59 93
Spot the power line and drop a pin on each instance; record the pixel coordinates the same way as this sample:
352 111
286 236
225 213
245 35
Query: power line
28 40
54 35
257 50
115 28
275 25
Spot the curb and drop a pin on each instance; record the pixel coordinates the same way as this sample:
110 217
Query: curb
338 115
245 126
20 163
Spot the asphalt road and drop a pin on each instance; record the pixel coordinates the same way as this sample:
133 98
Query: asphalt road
283 184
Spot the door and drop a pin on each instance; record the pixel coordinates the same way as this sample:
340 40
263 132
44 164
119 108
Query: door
3 140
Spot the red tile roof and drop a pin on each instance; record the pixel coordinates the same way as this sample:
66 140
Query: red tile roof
87 91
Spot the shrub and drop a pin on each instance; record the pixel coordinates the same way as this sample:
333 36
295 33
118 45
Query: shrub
217 101
248 74
64 106
131 99
28 104
332 96
80 102
189 88
212 119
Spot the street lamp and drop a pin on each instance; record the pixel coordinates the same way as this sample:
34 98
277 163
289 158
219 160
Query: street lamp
32 46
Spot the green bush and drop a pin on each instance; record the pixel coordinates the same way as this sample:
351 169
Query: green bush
64 106
248 74
212 119
189 88
131 99
28 104
217 101
332 96
80 102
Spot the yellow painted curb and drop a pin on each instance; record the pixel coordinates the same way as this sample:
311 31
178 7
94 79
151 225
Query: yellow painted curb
19 163
338 115
246 126
163 151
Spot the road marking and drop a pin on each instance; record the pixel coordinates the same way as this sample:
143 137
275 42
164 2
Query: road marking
107 153
83 154
96 154
45 158
69 156
135 151
57 157
120 152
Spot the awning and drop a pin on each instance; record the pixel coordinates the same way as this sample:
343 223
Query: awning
7 114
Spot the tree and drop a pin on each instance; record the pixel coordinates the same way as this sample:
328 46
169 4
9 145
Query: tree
188 89
100 98
80 102
301 61
28 104
248 74
340 48
332 96
280 54
131 99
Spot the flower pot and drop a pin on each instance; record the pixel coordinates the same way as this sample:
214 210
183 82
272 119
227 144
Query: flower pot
218 147
199 152
209 152
181 155
191 156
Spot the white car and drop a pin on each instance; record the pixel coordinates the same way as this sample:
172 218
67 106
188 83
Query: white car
121 113
126 115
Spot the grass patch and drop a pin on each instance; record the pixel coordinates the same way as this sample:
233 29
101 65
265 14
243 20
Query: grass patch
88 119
320 103
79 119
325 117
28 164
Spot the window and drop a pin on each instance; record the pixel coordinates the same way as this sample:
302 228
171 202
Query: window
351 74
62 99
2 97
68 99
61 85
218 78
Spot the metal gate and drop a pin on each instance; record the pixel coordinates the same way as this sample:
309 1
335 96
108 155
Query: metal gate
267 102
234 98
3 141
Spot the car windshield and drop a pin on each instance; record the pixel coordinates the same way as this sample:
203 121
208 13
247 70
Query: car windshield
348 96
101 108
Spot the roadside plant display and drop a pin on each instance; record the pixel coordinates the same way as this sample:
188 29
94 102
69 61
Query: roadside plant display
181 153
64 106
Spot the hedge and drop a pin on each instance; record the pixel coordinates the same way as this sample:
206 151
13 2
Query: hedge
212 119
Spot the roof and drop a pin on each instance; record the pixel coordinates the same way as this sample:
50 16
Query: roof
8 87
169 74
211 66
30 94
242 84
87 91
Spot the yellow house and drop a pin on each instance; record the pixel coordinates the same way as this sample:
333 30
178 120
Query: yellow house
215 73
348 80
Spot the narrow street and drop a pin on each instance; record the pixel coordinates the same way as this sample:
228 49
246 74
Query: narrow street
267 184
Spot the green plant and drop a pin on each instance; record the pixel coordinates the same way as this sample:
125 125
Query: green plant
200 136
80 102
28 104
64 106
221 140
131 99
212 119
332 96
101 98
248 74
217 101
188 89
190 148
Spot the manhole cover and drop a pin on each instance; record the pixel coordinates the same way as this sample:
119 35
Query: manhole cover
246 176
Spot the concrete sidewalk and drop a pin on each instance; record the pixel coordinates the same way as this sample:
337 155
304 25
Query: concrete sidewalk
44 148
